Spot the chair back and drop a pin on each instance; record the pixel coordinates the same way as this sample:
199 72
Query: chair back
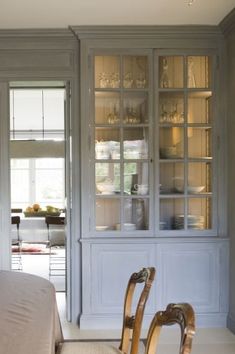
16 210
181 314
56 233
54 220
15 220
132 324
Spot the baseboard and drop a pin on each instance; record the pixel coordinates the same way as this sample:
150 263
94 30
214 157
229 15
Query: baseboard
231 323
112 322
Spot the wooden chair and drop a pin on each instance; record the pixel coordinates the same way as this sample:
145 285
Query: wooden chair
131 323
57 262
181 314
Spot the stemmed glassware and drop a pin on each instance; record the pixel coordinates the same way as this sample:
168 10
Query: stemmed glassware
164 81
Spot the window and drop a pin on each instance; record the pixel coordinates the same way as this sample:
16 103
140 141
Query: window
38 180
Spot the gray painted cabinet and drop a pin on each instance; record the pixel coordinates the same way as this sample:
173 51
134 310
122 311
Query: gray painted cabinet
228 28
152 194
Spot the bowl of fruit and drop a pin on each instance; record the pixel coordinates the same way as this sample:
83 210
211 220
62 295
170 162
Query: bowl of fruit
36 211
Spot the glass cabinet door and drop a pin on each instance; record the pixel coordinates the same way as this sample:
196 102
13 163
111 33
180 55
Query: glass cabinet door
121 149
185 142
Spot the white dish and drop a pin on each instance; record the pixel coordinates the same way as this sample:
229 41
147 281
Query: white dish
101 228
126 227
129 227
108 193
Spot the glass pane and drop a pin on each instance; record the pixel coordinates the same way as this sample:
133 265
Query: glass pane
171 177
49 187
107 214
27 109
135 108
136 178
199 213
199 69
32 110
136 214
171 143
107 108
49 163
135 71
199 177
135 143
171 72
169 210
107 178
171 108
199 107
19 163
107 144
107 72
20 186
199 142
54 109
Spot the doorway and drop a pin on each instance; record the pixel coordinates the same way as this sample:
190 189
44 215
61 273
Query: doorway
38 183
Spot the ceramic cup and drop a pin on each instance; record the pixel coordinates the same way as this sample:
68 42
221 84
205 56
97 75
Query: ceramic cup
141 189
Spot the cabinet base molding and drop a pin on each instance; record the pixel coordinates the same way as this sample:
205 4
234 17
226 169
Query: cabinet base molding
114 322
231 323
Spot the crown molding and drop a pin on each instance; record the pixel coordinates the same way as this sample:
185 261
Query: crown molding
227 25
134 32
62 33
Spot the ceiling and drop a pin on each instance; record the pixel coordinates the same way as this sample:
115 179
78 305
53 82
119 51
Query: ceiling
62 13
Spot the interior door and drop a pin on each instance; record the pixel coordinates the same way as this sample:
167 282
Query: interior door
5 242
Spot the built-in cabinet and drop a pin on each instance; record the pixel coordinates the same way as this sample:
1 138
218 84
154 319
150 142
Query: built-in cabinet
152 194
228 28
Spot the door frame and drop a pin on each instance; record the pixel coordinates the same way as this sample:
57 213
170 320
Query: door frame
5 249
72 187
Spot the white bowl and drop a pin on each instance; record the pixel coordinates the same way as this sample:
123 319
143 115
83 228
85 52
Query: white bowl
196 189
191 189
105 188
129 227
126 227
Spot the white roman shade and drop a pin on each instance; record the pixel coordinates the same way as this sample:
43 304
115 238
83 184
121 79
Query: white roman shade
36 148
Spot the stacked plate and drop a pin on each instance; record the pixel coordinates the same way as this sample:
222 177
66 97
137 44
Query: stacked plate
102 228
195 222
126 227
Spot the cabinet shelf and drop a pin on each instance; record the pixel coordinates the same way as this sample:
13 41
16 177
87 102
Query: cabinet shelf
180 195
121 124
